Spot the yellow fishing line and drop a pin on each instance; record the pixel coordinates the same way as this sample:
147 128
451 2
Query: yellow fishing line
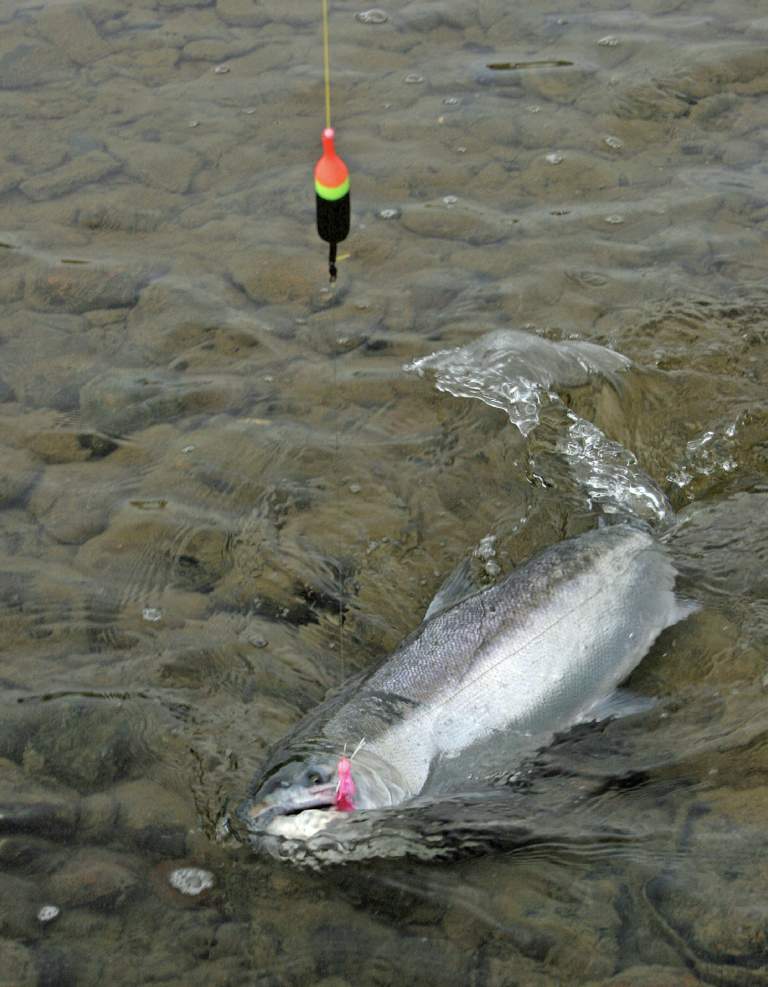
327 71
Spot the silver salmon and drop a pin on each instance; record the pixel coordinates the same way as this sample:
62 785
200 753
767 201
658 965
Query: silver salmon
479 685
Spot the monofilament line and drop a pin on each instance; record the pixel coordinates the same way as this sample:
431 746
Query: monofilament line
337 402
327 69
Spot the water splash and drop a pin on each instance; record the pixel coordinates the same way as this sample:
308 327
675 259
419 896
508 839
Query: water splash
519 373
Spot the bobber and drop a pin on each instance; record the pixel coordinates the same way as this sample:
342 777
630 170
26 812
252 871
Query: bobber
332 194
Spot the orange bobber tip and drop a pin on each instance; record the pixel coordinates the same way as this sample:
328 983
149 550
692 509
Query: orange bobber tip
330 172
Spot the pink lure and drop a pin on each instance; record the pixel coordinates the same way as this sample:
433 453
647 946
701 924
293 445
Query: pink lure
346 787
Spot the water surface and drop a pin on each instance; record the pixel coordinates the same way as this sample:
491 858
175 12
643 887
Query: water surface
200 441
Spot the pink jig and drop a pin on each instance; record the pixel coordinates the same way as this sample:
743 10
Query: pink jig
346 787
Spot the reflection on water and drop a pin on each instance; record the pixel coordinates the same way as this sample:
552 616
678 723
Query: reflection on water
204 455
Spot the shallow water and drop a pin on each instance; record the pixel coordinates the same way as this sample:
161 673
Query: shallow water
198 441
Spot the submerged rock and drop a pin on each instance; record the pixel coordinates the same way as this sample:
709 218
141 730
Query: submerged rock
18 472
709 902
84 743
17 966
19 900
77 288
454 221
71 176
26 806
73 505
155 820
123 401
94 878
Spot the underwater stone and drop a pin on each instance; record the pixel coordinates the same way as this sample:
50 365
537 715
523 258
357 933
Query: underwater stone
18 472
24 63
17 965
83 288
445 221
276 275
123 401
48 913
18 898
82 170
191 880
72 505
93 878
87 744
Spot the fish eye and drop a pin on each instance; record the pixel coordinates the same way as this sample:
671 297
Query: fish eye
315 777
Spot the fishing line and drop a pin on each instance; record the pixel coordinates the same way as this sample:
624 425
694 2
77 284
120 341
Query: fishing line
336 471
333 216
327 70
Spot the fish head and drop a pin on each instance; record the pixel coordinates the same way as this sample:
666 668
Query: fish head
296 786
295 792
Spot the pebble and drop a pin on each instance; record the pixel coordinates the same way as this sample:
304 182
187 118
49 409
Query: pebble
70 508
84 743
56 445
18 473
71 176
31 63
122 400
157 820
48 913
443 221
191 880
17 965
18 902
77 289
169 167
275 275
93 878
373 16
98 816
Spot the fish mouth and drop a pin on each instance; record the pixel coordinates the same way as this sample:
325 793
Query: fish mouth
257 815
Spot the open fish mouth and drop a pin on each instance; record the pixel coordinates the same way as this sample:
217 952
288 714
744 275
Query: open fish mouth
256 816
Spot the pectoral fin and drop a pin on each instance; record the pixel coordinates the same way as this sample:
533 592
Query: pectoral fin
620 702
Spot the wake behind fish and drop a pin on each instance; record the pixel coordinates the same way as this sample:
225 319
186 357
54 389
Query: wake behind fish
520 373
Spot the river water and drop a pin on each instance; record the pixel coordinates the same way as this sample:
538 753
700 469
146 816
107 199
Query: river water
201 442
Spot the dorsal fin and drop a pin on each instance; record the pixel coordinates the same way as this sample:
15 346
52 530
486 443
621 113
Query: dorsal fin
457 587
